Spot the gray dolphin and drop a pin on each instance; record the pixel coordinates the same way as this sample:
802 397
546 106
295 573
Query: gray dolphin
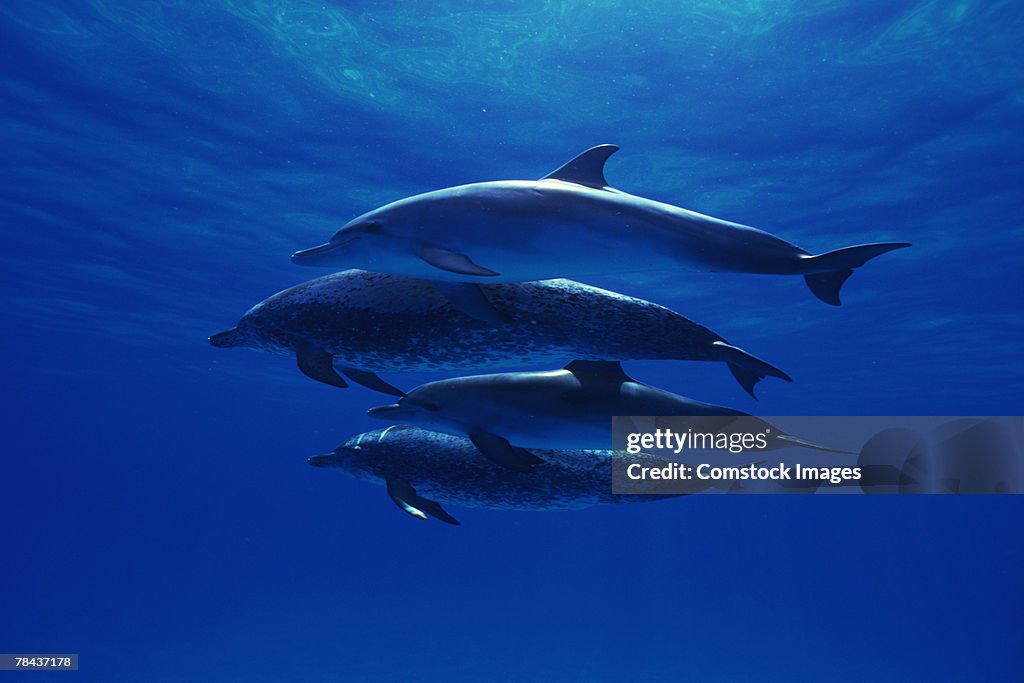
364 323
423 469
570 223
507 413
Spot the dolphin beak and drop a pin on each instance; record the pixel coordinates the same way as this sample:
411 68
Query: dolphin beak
386 412
315 256
325 460
225 339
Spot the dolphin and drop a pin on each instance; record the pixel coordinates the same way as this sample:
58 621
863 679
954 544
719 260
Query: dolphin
361 323
423 469
571 224
506 414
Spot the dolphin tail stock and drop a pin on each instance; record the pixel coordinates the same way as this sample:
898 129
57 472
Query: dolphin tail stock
746 368
226 339
826 273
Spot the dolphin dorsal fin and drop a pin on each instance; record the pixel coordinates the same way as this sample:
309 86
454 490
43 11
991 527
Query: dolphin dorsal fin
586 169
597 373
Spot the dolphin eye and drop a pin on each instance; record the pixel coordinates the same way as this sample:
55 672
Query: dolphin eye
368 227
427 405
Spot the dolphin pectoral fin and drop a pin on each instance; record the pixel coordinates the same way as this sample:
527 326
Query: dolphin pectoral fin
371 381
826 273
405 497
747 369
604 376
586 169
318 365
497 449
468 298
453 262
434 509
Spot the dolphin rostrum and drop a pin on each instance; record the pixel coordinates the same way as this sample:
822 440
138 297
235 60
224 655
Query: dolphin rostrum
570 223
507 413
362 323
423 469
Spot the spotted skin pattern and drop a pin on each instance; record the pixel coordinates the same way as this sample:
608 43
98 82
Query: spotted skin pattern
450 470
388 323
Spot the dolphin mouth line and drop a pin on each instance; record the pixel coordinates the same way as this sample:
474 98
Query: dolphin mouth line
383 411
306 255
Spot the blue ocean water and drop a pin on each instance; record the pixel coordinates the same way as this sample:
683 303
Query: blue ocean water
161 160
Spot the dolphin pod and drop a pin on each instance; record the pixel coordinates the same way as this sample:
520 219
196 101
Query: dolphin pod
423 469
569 224
335 322
471 277
568 408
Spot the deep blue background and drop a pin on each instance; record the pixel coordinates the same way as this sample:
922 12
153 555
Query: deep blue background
161 160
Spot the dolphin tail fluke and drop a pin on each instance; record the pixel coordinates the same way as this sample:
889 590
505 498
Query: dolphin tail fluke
747 369
826 286
826 273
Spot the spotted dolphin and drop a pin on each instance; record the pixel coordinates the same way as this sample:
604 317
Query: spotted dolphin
570 224
423 469
362 323
507 415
